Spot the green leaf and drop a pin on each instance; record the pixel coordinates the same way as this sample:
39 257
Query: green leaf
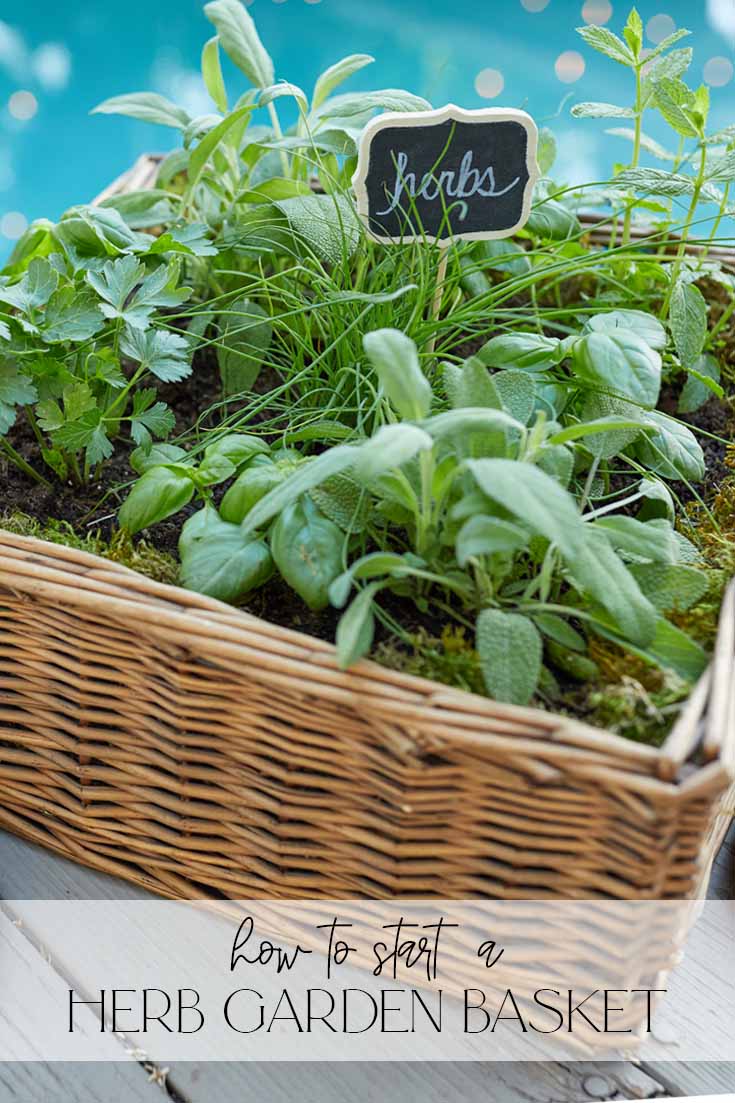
307 548
239 448
212 74
510 651
212 139
667 43
646 326
253 484
358 103
601 575
673 650
240 40
343 501
391 446
146 106
71 315
657 501
470 385
16 389
162 352
652 540
335 75
191 240
143 208
395 360
35 288
82 432
674 101
149 417
482 535
723 169
244 338
607 43
534 497
688 318
558 462
326 224
551 220
610 443
159 493
702 383
583 429
356 628
672 451
529 351
620 362
546 155
218 561
369 566
652 181
284 88
671 587
633 32
156 456
602 111
132 296
517 391
560 631
303 479
649 144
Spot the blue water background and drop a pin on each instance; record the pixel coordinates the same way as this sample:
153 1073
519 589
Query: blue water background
62 155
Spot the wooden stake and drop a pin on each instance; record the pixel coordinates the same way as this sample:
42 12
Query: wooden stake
441 275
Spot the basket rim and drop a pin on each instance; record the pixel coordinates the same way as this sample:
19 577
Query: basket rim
71 577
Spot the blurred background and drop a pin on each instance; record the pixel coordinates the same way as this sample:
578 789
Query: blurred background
58 60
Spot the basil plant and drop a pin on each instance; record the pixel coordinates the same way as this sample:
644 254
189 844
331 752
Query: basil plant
481 513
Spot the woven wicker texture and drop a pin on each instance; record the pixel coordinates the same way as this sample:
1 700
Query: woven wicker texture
169 739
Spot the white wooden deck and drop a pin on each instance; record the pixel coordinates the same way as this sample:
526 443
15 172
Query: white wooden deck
28 872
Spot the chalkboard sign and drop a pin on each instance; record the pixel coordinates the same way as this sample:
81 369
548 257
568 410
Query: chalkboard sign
446 174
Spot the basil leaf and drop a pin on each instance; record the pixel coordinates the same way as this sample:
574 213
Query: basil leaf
622 363
218 561
159 493
307 548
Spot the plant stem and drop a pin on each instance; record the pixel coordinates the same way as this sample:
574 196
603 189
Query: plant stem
276 124
718 220
636 150
681 252
21 464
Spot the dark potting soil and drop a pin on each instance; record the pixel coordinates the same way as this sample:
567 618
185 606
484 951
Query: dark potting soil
93 508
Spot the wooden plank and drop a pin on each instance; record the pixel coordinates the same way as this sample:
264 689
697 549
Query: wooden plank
22 1080
27 871
83 1082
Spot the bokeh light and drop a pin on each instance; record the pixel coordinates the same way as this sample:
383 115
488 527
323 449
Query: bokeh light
13 224
22 105
489 83
569 66
535 5
660 27
51 64
718 71
597 12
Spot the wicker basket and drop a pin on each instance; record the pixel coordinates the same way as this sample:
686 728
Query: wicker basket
162 736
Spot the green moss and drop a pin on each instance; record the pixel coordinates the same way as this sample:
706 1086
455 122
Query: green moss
140 556
450 658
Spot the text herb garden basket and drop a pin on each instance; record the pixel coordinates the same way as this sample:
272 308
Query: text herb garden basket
169 739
